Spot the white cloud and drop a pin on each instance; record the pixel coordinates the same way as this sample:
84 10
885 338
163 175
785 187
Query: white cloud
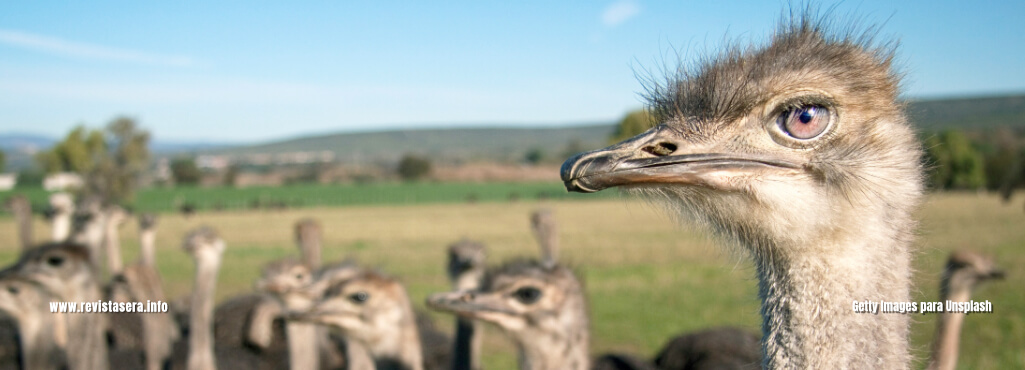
79 50
619 12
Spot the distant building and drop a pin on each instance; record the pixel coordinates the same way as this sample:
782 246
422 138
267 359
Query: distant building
213 162
62 181
246 179
8 181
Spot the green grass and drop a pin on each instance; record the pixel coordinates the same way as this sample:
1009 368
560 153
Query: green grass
315 195
647 279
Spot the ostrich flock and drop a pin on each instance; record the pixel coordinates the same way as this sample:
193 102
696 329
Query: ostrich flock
796 153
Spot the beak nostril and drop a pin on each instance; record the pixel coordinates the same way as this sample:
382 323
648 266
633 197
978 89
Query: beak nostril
661 149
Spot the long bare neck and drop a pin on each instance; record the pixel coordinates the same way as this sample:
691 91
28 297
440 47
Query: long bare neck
310 249
112 244
39 348
402 345
466 351
148 247
303 352
201 346
303 338
87 348
552 351
61 226
947 340
92 235
807 302
23 213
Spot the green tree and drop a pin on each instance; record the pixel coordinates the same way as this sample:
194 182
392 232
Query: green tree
185 172
80 150
534 156
957 164
632 125
111 161
413 167
3 161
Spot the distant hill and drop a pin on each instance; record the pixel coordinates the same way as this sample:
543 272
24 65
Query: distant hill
17 141
968 113
513 143
458 144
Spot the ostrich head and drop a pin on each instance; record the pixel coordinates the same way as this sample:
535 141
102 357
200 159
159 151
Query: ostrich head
147 221
532 301
369 307
204 244
283 276
23 298
788 144
465 255
965 270
57 265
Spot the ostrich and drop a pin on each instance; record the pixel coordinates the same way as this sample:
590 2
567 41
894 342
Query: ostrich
22 210
62 208
65 270
42 335
284 280
206 249
539 304
718 348
465 269
154 333
963 272
799 153
373 309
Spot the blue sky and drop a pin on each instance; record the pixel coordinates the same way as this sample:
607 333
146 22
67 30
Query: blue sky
254 71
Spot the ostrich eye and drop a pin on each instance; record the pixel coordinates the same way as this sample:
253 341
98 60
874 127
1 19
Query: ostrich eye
359 297
299 276
806 122
55 261
12 289
527 295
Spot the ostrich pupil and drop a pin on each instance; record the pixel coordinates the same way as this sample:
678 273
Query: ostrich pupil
807 115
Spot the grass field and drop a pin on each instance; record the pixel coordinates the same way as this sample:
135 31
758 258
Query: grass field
316 195
647 279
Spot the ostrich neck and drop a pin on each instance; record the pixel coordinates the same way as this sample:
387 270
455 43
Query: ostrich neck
201 347
61 226
807 298
148 247
23 214
303 350
87 347
948 334
550 351
303 353
115 264
402 345
310 252
39 348
466 351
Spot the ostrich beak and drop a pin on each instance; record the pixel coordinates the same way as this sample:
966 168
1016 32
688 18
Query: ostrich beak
656 157
465 303
997 274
